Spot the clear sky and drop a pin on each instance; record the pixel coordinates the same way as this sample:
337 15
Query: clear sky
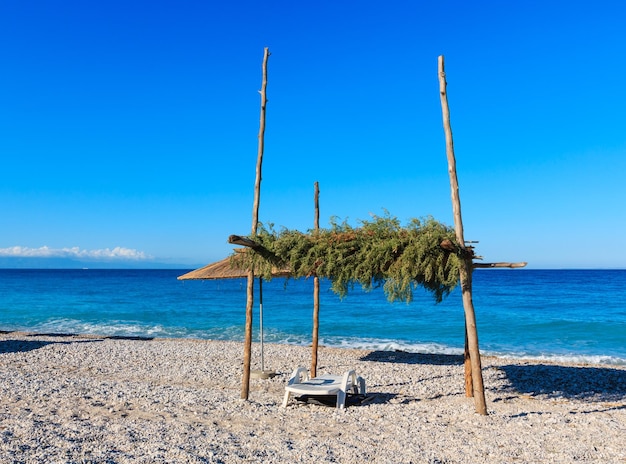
129 128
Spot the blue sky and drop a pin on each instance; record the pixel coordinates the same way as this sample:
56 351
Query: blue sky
128 130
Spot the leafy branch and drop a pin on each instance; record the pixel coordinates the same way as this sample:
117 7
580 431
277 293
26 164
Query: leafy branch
377 252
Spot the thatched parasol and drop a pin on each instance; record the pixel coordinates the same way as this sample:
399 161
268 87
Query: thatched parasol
219 270
226 269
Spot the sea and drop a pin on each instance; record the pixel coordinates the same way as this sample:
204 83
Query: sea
558 315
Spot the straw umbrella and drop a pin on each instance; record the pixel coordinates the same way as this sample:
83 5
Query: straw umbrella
225 269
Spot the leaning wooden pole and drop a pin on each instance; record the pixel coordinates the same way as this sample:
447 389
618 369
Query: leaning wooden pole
466 256
316 293
247 350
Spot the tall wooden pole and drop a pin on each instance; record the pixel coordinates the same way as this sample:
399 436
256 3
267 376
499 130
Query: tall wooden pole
466 261
467 364
247 350
316 292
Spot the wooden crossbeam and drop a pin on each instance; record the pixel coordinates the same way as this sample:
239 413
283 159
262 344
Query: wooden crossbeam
243 241
490 265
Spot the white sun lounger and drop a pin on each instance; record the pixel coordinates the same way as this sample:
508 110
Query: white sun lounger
340 385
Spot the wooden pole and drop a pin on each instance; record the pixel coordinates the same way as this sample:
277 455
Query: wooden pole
247 344
261 324
247 349
491 265
261 146
466 256
467 364
316 292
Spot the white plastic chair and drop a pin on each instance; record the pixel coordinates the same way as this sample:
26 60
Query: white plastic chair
301 384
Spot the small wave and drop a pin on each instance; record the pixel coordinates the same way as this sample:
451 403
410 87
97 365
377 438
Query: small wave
128 328
235 333
362 343
116 328
561 358
391 345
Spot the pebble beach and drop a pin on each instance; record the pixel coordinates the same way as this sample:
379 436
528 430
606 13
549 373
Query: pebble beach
91 399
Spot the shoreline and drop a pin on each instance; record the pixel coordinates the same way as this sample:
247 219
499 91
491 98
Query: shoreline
87 398
571 359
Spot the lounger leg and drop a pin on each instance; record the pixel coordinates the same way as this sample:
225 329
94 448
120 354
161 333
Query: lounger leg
361 382
286 399
341 399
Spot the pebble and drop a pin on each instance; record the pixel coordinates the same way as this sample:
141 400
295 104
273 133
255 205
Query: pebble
74 399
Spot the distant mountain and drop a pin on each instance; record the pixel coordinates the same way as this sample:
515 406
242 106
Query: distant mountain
71 263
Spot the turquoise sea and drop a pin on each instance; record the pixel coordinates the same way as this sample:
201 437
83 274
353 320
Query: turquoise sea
563 315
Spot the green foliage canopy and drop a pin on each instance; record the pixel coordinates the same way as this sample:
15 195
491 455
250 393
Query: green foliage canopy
378 252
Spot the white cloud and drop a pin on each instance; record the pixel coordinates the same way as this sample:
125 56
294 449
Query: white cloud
74 252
